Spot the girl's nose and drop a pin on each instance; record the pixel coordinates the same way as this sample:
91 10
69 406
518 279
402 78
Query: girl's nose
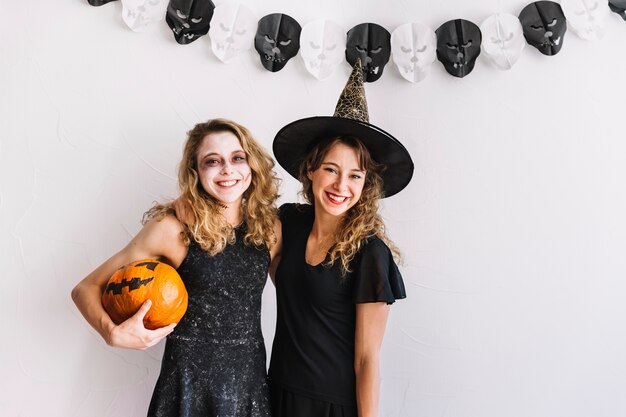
341 183
227 168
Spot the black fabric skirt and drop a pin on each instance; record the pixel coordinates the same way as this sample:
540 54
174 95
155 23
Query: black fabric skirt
201 379
286 403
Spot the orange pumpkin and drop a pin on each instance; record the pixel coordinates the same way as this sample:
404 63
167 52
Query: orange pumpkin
138 281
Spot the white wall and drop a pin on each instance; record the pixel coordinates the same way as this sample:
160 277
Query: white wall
513 227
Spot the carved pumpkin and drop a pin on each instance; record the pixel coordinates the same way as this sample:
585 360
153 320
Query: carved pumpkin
138 281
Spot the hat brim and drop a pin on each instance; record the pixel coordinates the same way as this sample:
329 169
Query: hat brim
295 140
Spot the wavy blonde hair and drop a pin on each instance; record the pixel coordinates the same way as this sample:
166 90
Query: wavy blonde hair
362 220
205 225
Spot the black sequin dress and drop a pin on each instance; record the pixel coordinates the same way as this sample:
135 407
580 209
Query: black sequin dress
214 361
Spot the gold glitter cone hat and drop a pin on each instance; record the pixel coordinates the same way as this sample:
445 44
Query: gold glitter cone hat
351 118
352 103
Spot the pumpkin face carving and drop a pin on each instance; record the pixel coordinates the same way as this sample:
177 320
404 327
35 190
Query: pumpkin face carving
138 281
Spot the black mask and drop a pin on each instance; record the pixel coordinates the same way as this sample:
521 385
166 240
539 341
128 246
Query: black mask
371 43
277 40
544 26
189 19
458 46
619 7
98 2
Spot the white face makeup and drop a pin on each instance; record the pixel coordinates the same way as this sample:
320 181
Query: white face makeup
413 50
223 168
232 30
140 14
503 39
322 47
587 18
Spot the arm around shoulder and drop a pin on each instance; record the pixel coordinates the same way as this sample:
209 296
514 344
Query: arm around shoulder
157 240
276 249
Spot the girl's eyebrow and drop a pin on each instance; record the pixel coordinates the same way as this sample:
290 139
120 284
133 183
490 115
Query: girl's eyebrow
209 154
336 165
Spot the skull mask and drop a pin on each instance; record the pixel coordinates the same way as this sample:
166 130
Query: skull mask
371 43
323 43
544 26
587 18
413 48
619 7
458 46
189 19
232 30
140 14
99 2
277 40
503 39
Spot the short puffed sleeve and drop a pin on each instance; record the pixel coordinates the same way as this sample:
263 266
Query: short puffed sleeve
376 275
285 210
295 216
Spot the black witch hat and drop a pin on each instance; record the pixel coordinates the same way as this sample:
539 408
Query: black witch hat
294 141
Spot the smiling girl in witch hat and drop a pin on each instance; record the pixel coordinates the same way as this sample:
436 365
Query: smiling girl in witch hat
336 276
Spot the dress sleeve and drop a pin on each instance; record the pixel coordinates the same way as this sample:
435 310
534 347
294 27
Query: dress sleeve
284 210
376 275
292 214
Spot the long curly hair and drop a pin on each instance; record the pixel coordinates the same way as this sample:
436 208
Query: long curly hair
362 220
205 224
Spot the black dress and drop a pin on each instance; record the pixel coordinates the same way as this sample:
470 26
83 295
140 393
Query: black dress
214 361
312 365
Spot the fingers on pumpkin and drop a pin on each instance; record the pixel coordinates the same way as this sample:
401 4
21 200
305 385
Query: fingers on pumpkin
143 310
155 336
164 331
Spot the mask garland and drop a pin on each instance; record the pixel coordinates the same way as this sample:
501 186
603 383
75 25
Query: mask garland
277 40
412 46
458 46
189 19
544 26
371 43
503 40
619 7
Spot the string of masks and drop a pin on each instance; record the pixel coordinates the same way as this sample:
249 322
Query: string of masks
323 45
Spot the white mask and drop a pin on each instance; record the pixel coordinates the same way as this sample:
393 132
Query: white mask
413 50
322 47
587 18
503 39
232 30
140 14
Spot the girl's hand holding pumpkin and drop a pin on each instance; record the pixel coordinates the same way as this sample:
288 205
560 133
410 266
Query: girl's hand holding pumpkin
132 333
